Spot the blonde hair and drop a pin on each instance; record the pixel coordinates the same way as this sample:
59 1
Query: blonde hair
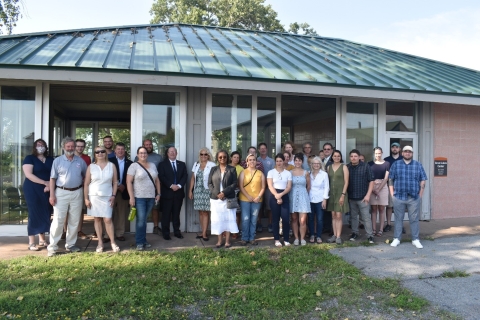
204 150
100 147
250 155
322 165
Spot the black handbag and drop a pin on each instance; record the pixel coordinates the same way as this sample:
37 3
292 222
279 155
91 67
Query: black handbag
232 203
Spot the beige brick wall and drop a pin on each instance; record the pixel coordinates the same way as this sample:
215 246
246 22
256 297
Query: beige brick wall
457 137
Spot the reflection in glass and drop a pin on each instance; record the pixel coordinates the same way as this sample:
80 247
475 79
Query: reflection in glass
400 116
17 135
161 119
231 123
362 128
266 123
308 119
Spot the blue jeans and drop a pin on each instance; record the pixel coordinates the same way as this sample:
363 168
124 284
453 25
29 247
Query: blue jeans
144 206
280 211
250 212
413 207
317 211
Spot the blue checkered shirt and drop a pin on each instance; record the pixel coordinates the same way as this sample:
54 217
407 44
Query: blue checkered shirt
359 180
406 179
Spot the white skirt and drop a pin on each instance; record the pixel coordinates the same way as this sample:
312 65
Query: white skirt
222 219
100 207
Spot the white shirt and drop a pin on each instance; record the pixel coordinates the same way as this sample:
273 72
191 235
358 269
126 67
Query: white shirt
319 187
279 179
121 168
206 172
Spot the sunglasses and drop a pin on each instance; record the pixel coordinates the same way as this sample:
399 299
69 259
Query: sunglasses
222 157
327 149
204 154
100 151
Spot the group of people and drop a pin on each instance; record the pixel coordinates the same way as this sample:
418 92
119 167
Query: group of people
293 189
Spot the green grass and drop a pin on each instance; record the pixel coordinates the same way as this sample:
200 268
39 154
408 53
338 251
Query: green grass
454 274
306 282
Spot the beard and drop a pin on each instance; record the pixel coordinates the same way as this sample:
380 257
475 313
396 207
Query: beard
69 153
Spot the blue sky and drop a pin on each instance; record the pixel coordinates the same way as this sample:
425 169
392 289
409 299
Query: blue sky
447 31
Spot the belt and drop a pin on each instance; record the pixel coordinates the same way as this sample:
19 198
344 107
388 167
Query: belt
70 189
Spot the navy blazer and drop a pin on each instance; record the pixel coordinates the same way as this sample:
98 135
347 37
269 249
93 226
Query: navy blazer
229 182
167 178
128 162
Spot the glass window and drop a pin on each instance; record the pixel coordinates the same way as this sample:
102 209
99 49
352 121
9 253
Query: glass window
266 123
308 119
17 106
161 119
400 116
231 123
362 128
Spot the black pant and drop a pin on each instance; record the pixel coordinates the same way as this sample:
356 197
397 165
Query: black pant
280 211
171 212
327 221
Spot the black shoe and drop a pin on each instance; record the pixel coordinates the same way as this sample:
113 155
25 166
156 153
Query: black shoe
353 237
403 230
167 237
387 228
157 230
370 240
361 226
179 235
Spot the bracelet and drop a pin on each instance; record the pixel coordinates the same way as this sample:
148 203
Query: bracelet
114 195
343 194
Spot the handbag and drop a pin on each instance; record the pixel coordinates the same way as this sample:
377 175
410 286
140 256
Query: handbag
151 179
132 214
232 203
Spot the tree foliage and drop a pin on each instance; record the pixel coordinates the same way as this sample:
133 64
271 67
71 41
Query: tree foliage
9 14
243 14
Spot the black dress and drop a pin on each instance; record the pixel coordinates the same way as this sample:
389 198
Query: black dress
39 209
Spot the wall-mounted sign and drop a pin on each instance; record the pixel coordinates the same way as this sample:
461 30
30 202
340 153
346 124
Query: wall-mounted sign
440 167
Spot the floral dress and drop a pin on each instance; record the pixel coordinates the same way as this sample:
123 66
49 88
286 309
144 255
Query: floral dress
201 196
299 199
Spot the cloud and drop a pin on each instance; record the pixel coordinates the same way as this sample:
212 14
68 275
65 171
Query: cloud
451 37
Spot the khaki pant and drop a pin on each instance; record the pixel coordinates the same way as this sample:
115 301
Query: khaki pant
71 203
120 214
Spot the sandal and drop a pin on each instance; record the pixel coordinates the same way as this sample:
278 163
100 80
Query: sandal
253 243
99 249
33 247
115 248
319 240
379 233
43 243
312 239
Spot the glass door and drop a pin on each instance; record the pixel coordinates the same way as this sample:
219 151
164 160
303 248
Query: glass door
404 139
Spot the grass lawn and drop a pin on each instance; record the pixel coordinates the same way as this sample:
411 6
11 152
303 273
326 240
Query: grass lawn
298 283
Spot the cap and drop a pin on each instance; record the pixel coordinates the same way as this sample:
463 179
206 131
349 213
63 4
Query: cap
407 148
395 144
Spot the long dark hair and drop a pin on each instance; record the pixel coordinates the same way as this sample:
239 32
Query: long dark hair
34 149
340 153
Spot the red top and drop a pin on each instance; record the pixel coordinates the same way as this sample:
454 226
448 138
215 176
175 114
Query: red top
87 159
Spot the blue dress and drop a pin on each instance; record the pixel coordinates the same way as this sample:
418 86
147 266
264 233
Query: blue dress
299 199
39 209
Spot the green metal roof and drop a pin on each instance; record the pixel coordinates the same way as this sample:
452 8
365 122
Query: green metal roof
233 53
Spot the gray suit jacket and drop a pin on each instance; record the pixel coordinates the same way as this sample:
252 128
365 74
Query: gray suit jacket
229 182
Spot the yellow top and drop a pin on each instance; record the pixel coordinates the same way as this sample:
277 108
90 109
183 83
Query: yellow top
239 169
252 183
290 167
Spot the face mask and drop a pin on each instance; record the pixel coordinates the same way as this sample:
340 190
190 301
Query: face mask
40 150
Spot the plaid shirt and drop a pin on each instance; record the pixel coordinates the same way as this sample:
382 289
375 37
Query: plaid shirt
406 179
359 180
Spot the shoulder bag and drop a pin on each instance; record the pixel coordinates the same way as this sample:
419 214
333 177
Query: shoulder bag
150 176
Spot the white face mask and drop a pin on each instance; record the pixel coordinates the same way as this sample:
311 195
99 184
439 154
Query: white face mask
41 150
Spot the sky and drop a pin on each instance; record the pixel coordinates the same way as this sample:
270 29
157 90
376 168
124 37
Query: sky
447 31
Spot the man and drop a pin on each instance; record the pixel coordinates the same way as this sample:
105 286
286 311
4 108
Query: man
156 159
407 185
66 195
79 151
108 144
268 164
361 158
173 177
360 188
394 156
307 152
327 150
259 166
121 208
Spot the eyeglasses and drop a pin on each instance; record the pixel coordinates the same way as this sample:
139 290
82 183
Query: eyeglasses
326 149
279 176
204 154
408 151
222 157
142 153
100 151
308 147
315 163
81 147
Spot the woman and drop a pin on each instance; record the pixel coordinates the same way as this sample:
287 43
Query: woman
286 163
199 192
144 191
235 157
379 198
338 178
99 190
289 147
252 186
279 183
37 167
222 183
299 200
319 188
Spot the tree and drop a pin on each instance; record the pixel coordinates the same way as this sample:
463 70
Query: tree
9 14
243 14
307 30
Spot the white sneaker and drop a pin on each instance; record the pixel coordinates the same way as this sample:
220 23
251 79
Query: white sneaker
303 242
417 244
395 242
278 244
287 244
296 242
